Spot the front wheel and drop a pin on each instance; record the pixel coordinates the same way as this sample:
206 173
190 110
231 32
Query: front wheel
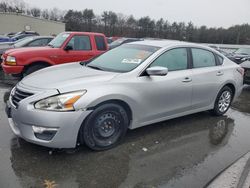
105 127
223 101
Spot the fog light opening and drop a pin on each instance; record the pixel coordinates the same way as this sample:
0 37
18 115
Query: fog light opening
44 133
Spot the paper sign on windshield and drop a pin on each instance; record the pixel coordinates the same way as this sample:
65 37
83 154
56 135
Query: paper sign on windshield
133 61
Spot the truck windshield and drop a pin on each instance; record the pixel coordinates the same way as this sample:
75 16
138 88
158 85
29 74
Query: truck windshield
59 40
124 58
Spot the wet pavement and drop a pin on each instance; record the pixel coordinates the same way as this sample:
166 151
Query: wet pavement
184 152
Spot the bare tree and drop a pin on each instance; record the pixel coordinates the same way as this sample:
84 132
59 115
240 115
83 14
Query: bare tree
36 12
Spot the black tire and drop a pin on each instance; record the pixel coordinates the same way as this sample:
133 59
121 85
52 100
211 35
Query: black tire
105 127
219 109
33 68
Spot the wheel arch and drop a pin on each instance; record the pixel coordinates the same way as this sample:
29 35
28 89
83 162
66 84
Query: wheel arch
124 104
231 86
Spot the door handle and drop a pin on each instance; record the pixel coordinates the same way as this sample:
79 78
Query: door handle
187 79
219 73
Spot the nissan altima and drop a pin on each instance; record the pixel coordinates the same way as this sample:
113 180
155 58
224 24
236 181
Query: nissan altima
137 84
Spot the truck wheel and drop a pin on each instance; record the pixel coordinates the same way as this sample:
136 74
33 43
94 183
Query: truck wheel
105 127
33 68
223 101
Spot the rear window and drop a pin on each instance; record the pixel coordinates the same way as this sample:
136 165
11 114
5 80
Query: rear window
100 43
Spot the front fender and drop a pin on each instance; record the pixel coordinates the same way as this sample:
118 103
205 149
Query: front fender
95 97
29 61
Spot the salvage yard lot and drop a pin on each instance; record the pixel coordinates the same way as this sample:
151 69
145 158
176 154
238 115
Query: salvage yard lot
171 153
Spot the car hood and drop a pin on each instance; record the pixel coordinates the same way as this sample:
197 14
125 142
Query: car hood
16 51
66 77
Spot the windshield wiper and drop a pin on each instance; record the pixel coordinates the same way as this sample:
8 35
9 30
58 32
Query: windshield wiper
94 67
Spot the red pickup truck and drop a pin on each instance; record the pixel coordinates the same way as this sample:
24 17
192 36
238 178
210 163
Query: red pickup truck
66 47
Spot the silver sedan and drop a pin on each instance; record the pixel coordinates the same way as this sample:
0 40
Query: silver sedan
131 86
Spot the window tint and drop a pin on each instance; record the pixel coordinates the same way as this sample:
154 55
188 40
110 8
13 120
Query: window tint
80 43
39 42
175 59
100 43
202 58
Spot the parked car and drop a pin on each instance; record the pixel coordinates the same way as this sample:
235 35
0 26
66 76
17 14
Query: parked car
240 55
109 40
246 66
18 36
4 39
66 47
34 41
220 50
121 41
130 86
21 36
11 34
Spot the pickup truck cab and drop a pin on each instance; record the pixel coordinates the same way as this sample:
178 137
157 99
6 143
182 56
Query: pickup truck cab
66 47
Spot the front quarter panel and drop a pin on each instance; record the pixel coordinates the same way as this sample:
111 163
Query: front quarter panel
98 95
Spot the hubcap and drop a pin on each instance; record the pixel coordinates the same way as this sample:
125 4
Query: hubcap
224 101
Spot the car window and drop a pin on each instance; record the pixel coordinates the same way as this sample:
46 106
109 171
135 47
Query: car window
220 60
175 59
80 43
39 42
100 43
203 58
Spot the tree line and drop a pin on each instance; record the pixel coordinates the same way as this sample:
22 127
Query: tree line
117 24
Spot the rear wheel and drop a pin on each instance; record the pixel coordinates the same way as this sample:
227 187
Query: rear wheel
33 68
105 127
223 101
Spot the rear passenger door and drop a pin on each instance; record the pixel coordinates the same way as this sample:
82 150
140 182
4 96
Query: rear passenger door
207 78
101 44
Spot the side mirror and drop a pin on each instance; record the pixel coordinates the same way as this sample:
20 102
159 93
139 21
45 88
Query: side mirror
67 48
157 71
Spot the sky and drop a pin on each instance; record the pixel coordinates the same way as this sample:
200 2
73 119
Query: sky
212 13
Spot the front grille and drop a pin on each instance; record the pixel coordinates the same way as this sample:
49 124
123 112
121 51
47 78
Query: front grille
19 95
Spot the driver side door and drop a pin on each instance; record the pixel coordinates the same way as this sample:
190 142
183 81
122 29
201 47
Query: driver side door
171 95
80 49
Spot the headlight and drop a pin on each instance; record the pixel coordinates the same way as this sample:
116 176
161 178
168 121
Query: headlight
63 102
10 60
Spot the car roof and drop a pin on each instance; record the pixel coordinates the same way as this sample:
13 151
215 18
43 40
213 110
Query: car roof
166 43
83 33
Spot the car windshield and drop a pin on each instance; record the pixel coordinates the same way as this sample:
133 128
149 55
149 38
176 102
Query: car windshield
243 51
124 58
59 40
22 42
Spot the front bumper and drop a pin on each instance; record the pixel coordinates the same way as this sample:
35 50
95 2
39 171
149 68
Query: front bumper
22 119
12 69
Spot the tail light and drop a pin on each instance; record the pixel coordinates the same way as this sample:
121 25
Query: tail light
241 71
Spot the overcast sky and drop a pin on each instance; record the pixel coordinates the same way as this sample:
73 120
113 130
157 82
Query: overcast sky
213 13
